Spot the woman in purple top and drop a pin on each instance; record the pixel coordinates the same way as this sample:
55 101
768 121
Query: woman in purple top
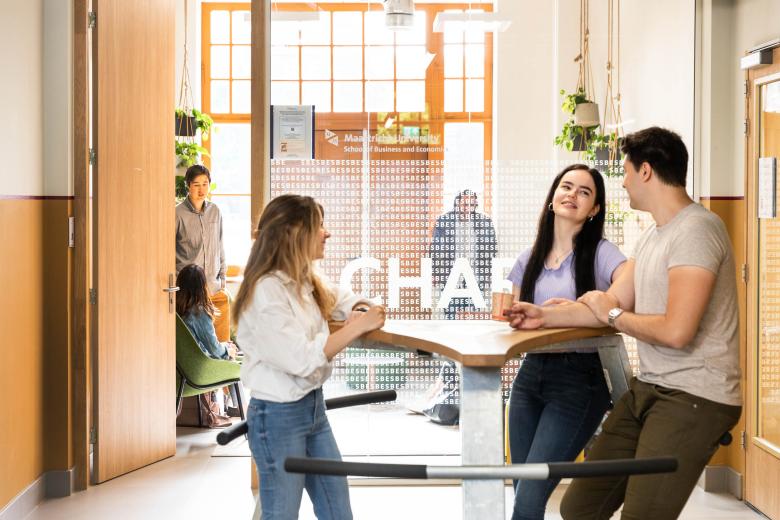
558 400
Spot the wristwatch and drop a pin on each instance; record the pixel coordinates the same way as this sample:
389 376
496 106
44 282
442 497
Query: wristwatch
613 315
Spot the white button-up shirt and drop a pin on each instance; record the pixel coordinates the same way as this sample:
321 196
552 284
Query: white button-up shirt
283 336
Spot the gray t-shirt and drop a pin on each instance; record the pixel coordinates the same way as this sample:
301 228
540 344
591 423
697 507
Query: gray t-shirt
709 366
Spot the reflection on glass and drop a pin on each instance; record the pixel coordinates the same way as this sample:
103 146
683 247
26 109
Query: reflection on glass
411 62
242 97
347 27
316 93
230 167
284 63
410 96
453 95
242 62
285 93
475 61
315 62
379 96
769 281
453 61
284 32
236 227
242 27
347 96
475 95
220 96
377 32
316 32
347 63
379 63
417 35
220 26
220 61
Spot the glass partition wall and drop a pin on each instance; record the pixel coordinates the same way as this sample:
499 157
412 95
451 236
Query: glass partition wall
456 112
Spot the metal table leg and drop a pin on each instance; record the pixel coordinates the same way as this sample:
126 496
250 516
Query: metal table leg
617 369
481 432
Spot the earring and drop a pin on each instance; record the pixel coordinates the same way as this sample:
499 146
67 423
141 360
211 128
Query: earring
591 218
549 207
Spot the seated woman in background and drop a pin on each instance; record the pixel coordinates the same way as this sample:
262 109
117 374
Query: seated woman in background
194 306
282 310
558 399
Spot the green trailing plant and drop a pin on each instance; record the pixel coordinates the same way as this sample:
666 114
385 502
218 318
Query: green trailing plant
573 137
181 188
570 101
202 121
189 153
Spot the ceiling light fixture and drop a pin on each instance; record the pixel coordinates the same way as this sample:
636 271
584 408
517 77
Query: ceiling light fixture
399 14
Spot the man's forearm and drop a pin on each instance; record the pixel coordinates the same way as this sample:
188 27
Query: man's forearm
652 328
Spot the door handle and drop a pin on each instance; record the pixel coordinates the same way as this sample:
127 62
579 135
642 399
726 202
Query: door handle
171 289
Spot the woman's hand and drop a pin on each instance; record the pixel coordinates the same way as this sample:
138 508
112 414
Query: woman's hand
599 304
354 315
231 350
525 316
372 319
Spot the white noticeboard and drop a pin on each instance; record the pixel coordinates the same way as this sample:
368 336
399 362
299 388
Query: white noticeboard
767 170
292 132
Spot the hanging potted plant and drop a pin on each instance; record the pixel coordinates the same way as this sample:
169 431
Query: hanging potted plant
581 127
188 122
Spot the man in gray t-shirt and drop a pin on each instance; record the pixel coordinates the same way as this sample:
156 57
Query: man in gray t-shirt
677 296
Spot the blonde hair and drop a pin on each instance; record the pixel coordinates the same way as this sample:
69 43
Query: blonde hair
286 239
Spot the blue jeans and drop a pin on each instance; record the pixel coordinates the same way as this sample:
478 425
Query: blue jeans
297 429
557 402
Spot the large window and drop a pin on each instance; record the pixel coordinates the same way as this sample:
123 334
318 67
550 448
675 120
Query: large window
413 88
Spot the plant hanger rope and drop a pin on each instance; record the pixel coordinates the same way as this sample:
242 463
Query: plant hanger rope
186 101
585 76
613 121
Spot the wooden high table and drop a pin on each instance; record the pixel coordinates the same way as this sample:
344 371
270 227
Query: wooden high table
482 348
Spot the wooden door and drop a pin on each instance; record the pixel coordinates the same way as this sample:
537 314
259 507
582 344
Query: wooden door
134 234
763 310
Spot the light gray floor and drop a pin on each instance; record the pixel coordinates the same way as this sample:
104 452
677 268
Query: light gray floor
195 485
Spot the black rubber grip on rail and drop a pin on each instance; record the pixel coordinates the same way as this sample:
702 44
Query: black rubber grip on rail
380 396
238 429
363 469
608 468
232 432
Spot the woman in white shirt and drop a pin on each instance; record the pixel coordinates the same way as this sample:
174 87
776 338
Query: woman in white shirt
281 310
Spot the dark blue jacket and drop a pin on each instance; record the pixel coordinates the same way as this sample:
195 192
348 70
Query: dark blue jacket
442 249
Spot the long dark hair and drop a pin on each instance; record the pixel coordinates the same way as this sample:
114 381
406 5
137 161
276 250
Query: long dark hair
193 294
585 243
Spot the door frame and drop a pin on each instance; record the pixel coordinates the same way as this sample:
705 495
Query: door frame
755 448
79 297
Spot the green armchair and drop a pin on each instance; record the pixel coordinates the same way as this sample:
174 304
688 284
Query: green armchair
197 373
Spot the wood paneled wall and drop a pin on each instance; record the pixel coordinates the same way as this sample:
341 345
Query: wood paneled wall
35 371
732 211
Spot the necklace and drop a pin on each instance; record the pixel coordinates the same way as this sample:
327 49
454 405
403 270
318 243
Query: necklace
557 260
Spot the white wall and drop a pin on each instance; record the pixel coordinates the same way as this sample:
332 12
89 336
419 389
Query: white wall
58 97
534 60
193 47
21 97
752 22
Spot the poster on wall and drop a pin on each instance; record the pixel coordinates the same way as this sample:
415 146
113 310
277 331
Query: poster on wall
292 132
767 171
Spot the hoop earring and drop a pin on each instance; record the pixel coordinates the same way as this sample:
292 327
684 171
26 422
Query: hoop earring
549 207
